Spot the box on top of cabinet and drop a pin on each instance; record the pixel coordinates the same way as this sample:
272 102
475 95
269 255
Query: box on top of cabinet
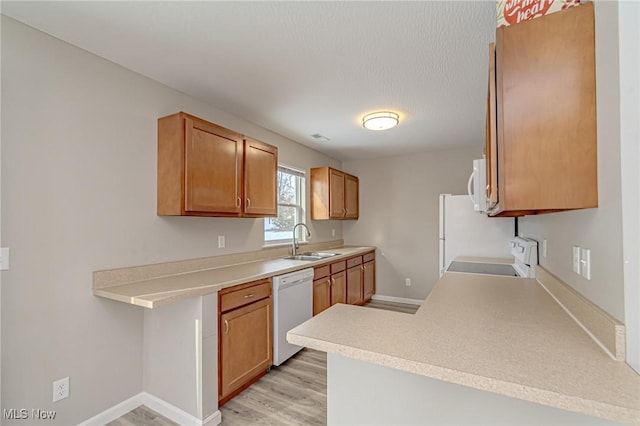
511 12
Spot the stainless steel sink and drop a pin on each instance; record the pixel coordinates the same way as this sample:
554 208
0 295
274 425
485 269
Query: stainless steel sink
320 254
304 257
312 256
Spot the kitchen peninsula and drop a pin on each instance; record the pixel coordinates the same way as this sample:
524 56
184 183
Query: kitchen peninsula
474 333
180 362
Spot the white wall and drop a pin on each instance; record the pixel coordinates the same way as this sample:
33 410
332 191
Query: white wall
360 393
399 214
79 195
629 17
0 238
597 229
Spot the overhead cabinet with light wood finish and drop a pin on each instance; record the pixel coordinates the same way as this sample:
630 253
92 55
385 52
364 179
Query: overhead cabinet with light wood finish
334 194
208 170
541 146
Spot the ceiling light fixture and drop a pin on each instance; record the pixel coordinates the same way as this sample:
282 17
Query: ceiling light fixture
382 120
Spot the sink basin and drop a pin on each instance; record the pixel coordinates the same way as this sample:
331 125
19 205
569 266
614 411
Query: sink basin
304 257
320 254
312 256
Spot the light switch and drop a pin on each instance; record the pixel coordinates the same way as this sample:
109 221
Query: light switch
585 263
576 259
221 241
544 248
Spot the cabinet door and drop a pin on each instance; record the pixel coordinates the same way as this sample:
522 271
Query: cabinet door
351 196
245 345
260 178
336 194
546 110
491 148
338 288
321 295
213 170
369 279
354 285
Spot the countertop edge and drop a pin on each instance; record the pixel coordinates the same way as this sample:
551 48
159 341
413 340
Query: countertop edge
151 300
510 389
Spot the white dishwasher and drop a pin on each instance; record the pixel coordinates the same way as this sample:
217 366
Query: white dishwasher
292 305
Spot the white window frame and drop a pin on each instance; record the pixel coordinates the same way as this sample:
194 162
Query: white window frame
300 207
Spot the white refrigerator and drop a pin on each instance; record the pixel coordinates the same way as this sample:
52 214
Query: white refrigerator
465 232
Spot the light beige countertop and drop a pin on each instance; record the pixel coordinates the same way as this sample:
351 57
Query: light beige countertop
500 334
155 292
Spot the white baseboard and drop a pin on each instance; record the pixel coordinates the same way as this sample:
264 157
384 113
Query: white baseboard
118 410
156 404
397 299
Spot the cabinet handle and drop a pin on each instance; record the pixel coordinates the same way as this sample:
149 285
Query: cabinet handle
248 203
344 212
238 202
362 268
226 327
332 281
249 296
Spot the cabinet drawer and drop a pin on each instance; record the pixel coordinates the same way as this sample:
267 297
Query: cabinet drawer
354 261
320 272
233 297
338 266
367 257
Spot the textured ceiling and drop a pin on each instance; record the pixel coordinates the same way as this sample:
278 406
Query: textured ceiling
299 68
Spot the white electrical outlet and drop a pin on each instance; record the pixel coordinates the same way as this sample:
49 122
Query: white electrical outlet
544 248
4 258
585 263
407 282
576 259
61 389
221 241
333 232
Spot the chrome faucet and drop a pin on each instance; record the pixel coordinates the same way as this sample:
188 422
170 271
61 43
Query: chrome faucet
294 250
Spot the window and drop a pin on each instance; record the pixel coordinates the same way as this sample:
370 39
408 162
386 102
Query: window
291 196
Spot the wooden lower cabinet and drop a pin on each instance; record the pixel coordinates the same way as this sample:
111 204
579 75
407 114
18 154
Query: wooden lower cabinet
321 294
354 285
349 281
369 280
355 273
338 288
245 339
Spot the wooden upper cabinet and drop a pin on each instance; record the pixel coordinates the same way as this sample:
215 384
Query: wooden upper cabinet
351 194
334 194
491 148
212 169
208 170
260 178
545 114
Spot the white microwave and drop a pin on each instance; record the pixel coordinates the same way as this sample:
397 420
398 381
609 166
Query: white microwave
477 186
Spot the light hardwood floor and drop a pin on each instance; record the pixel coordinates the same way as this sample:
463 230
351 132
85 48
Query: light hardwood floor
293 394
